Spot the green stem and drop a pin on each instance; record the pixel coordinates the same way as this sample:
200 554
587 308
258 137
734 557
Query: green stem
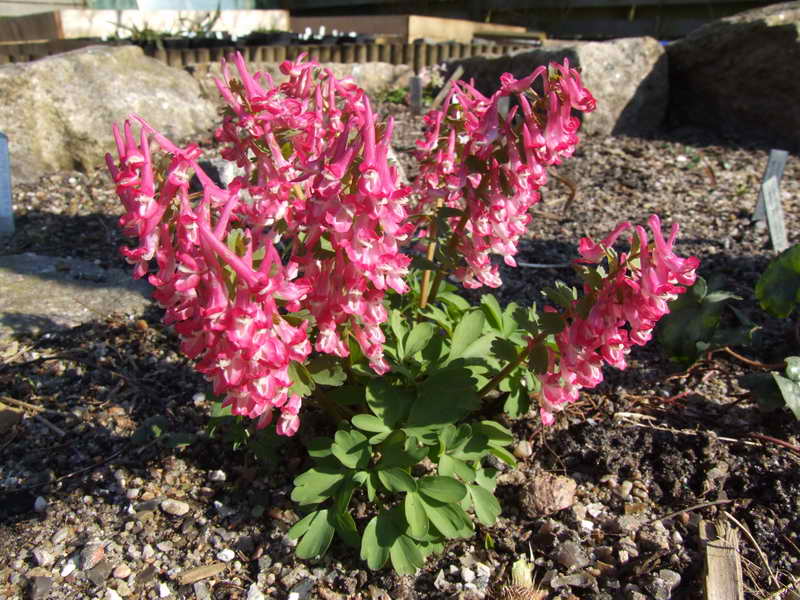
506 371
449 255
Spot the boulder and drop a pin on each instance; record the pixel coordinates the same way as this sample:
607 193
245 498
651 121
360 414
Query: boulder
738 75
628 77
57 112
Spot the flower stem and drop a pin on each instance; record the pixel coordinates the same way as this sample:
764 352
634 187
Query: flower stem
426 276
449 254
506 371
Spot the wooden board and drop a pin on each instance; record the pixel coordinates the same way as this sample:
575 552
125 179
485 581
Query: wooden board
723 567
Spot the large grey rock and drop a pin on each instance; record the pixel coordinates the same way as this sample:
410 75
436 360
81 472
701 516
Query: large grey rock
738 75
628 77
57 112
41 293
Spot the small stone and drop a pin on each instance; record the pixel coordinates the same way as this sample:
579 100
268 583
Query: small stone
201 591
302 589
60 536
40 587
579 580
483 571
174 507
217 476
546 494
467 575
163 590
42 557
148 552
92 553
164 546
99 573
123 589
40 505
671 577
112 595
440 582
69 566
226 555
122 572
253 593
146 575
571 556
624 489
224 511
523 450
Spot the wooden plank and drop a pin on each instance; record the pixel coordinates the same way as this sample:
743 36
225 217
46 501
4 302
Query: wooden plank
775 166
774 210
723 567
446 87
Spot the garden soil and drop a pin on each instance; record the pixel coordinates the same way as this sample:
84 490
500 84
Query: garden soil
614 501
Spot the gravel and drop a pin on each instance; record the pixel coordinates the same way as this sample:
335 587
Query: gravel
649 453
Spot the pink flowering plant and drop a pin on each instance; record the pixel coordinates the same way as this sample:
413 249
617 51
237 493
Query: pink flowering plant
300 285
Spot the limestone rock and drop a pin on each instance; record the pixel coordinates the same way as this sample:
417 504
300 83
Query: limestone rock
546 494
628 77
738 75
57 112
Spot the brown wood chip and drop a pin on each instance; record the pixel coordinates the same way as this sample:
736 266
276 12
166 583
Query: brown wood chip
198 573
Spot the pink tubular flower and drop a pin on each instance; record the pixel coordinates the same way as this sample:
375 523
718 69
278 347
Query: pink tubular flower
627 305
316 184
490 169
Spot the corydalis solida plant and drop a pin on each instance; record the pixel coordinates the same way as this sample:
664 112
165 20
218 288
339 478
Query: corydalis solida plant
292 280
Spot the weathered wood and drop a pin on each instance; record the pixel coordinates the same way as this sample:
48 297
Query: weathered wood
774 209
446 87
198 573
775 166
723 567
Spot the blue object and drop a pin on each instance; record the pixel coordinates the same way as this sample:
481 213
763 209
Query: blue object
6 213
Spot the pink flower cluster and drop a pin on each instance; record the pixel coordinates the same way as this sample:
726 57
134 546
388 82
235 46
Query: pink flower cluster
490 167
626 306
316 188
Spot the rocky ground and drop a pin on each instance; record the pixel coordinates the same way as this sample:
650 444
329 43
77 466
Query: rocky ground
91 509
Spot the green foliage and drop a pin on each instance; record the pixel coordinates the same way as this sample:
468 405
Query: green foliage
778 288
382 452
694 327
773 390
694 323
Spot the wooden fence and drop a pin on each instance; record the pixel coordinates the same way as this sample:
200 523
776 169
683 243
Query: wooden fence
417 56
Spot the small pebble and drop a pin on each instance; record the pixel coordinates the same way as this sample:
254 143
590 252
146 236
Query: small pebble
122 572
163 590
467 575
174 507
523 450
40 587
92 553
42 557
112 595
253 593
226 555
217 476
60 536
69 566
40 505
624 489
